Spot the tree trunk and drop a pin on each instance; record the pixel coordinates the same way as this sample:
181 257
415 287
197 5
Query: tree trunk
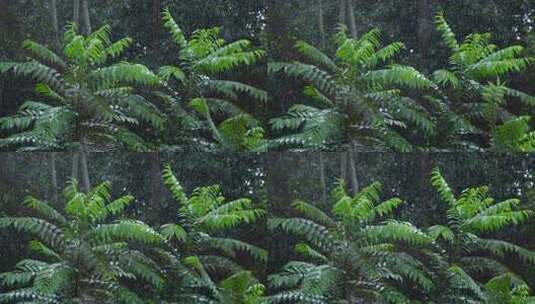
2 85
156 13
321 22
4 13
86 183
343 165
54 21
425 30
355 187
86 18
343 12
75 164
76 13
351 18
154 180
424 163
54 178
323 183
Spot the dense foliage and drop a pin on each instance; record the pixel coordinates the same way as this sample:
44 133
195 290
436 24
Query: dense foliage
86 100
85 255
351 90
343 76
345 251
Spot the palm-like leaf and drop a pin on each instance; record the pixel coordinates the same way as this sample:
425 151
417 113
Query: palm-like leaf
359 95
471 95
208 98
86 99
202 237
467 252
83 256
353 249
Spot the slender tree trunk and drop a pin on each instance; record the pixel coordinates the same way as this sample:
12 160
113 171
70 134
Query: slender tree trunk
323 183
76 13
343 12
156 13
424 163
351 19
54 178
355 187
343 165
86 183
74 165
154 176
54 20
2 84
4 12
321 22
86 17
425 30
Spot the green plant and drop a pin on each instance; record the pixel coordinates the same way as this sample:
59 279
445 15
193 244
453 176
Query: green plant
356 250
199 79
206 248
506 289
475 97
468 249
84 255
85 100
358 96
514 135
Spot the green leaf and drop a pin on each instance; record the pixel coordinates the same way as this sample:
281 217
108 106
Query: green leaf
171 231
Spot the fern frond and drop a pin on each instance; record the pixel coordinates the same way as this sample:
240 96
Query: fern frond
497 68
42 249
445 78
174 186
310 73
312 232
127 230
316 55
385 54
296 297
460 279
174 29
443 232
117 48
313 213
126 73
229 215
221 62
45 209
512 135
400 75
309 252
230 246
397 231
442 187
492 223
230 88
500 248
46 231
26 295
219 221
43 53
168 71
171 231
448 36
